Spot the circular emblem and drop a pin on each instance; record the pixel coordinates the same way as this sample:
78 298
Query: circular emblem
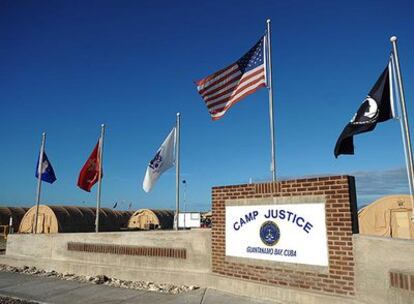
269 233
367 113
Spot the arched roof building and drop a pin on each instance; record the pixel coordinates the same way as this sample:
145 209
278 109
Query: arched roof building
56 219
388 216
151 219
16 213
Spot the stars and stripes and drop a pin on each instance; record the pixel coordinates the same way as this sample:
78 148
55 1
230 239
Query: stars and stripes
226 87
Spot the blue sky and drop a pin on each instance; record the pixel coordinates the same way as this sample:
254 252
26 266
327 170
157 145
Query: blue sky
68 66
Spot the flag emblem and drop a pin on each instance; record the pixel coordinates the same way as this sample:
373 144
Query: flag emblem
370 107
48 174
228 86
156 161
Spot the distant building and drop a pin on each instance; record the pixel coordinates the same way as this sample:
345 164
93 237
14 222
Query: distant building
388 216
57 219
16 213
148 219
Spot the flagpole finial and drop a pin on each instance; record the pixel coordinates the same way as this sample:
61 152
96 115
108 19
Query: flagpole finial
178 114
268 20
44 134
102 125
393 38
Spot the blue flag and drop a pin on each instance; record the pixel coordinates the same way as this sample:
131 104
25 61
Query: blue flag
48 174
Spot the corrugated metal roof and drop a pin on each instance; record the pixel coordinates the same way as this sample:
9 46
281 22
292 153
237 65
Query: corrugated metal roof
16 213
82 219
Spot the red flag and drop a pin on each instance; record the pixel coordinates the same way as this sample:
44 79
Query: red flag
89 174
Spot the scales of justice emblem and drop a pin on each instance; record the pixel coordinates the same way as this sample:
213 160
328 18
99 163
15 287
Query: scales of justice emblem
269 233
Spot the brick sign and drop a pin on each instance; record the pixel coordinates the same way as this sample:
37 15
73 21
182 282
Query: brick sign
291 233
338 193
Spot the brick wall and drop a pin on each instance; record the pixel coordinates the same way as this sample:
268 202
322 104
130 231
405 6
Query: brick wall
341 222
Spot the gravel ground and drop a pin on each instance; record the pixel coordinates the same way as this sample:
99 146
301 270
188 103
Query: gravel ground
4 300
100 280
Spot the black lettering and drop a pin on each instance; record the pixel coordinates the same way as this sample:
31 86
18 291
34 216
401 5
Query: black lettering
249 217
308 227
242 222
300 219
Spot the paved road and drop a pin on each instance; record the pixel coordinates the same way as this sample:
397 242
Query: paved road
56 291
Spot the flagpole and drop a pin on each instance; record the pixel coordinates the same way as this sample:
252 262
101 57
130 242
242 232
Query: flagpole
177 172
98 195
270 86
39 179
404 125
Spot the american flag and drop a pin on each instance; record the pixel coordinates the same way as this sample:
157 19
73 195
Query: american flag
226 87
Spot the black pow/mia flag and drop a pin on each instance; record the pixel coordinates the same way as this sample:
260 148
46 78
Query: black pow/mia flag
377 107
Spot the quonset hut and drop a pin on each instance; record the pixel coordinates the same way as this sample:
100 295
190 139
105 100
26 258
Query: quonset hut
388 216
16 213
147 219
57 219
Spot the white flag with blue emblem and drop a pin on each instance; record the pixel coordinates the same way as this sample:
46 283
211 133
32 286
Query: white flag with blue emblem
162 161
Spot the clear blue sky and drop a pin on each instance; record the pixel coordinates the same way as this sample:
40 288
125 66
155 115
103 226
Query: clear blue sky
68 66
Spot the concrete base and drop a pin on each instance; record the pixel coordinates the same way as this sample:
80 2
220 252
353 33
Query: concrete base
49 252
376 257
210 280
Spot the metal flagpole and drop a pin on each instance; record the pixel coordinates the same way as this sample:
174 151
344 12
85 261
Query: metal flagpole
185 206
177 172
404 125
11 225
269 83
39 180
98 196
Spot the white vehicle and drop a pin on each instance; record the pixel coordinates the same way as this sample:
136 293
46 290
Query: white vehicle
189 220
